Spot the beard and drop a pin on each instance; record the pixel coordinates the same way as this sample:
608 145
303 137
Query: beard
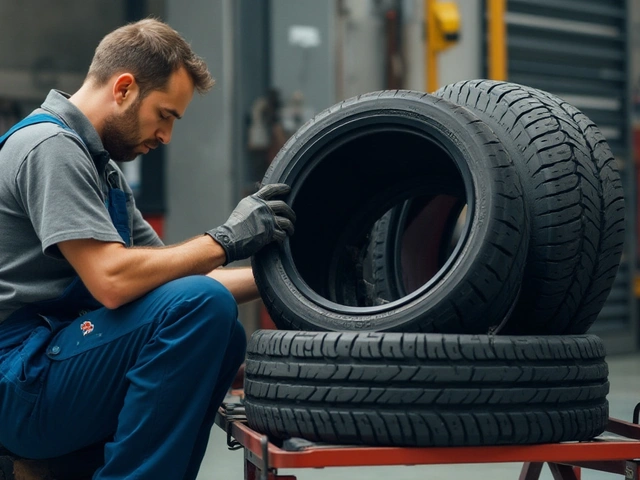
121 134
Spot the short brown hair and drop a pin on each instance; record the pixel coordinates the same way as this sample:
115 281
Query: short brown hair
150 50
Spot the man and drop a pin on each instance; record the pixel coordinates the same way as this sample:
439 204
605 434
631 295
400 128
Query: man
108 339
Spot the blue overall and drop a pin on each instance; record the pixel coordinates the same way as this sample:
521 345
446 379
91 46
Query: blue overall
141 383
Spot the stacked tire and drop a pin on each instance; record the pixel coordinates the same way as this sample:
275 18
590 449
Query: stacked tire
575 200
451 252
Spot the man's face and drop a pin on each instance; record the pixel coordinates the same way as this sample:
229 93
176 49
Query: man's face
121 134
147 122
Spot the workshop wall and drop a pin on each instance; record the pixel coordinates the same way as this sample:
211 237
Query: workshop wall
200 164
40 47
302 50
462 61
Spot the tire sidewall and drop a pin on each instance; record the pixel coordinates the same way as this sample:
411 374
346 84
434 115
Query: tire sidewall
277 277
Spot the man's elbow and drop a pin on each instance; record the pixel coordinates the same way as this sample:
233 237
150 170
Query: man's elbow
109 294
111 303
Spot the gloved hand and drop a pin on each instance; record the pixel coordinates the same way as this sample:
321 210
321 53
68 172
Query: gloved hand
257 221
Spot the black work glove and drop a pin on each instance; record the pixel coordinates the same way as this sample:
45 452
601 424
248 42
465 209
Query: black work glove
256 221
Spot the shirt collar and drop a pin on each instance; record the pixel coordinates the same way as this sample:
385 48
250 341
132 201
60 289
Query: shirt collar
58 103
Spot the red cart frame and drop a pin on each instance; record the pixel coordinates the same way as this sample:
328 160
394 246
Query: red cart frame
615 452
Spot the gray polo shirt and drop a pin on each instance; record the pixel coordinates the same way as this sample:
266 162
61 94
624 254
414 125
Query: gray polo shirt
53 187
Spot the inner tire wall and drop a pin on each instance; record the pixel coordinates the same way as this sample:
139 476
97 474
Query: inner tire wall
425 389
390 249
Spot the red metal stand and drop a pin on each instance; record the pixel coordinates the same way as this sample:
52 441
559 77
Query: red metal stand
615 452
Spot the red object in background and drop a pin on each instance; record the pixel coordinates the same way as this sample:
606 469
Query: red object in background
636 144
265 320
156 222
636 161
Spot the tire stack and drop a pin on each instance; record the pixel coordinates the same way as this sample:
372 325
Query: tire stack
451 252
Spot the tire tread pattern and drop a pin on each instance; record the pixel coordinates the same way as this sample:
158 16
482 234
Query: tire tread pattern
426 389
564 193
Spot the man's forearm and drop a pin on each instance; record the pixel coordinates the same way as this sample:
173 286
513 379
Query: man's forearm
239 281
116 275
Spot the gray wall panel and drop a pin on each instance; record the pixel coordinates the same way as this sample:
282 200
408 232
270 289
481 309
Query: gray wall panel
200 163
298 68
464 60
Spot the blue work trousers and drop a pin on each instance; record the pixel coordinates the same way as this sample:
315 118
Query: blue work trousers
144 380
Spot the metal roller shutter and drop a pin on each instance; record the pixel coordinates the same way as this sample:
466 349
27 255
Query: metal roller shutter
579 50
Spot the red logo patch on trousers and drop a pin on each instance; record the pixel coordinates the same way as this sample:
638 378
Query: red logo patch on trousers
86 327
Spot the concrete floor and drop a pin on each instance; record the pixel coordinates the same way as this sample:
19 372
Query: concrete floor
222 464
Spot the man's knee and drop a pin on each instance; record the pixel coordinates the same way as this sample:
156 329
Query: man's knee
204 294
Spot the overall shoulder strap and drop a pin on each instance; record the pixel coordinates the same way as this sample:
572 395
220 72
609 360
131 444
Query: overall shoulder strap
32 120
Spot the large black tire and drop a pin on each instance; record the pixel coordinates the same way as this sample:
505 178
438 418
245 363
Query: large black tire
351 164
425 389
609 244
573 253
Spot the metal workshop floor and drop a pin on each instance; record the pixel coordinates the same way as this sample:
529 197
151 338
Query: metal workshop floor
624 376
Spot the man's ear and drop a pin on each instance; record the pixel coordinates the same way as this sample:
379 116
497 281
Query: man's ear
125 89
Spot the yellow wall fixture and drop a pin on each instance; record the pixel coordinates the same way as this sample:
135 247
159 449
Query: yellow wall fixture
442 20
497 68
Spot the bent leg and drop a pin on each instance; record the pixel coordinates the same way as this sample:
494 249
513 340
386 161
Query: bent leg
234 356
144 374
